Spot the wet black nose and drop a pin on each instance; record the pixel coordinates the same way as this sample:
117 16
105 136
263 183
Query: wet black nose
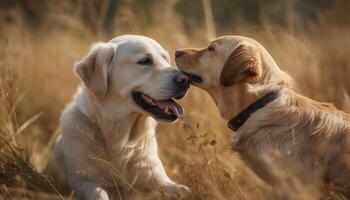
179 53
181 79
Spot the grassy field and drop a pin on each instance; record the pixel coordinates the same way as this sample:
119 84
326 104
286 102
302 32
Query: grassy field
37 81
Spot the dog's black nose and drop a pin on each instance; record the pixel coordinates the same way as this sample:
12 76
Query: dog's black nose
179 53
181 79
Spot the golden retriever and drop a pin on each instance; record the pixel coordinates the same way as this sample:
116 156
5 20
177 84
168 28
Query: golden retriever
289 140
107 138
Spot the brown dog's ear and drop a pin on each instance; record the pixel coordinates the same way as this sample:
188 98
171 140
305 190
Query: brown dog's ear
93 68
243 65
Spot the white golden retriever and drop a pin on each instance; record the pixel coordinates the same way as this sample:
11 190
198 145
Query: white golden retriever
107 140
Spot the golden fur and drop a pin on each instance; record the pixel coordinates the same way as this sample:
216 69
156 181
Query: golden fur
296 144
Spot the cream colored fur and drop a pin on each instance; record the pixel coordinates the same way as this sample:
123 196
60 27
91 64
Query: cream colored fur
106 140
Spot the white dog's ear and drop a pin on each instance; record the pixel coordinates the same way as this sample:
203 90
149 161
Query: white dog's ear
93 68
243 65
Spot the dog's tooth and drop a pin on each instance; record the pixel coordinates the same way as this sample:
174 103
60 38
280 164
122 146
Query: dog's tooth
147 99
152 102
166 110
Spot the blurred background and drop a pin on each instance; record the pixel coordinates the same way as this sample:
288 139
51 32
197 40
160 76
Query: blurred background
41 39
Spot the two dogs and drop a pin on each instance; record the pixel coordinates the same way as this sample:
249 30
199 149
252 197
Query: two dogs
108 131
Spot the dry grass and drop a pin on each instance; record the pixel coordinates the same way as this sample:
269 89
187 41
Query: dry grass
37 80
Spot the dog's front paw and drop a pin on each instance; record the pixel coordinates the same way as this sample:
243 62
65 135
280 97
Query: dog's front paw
175 191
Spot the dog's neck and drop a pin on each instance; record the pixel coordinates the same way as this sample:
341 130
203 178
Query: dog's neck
117 128
234 99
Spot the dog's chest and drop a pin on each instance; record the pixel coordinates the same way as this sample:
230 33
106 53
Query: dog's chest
123 161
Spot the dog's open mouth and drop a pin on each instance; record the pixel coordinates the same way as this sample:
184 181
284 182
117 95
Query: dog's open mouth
167 110
194 78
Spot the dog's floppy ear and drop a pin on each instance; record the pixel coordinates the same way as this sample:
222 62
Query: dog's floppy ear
93 68
243 65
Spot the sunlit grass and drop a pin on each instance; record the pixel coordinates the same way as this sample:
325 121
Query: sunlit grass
37 81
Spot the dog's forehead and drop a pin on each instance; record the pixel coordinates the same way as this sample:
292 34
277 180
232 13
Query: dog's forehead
140 44
234 40
226 40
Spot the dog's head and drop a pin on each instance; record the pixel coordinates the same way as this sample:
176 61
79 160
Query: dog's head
225 61
227 66
135 70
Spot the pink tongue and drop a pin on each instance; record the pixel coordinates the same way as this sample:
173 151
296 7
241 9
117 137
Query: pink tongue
175 108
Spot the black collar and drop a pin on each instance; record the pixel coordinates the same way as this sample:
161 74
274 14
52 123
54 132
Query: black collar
238 121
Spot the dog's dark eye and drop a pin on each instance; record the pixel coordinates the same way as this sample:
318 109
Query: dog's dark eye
145 61
211 48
